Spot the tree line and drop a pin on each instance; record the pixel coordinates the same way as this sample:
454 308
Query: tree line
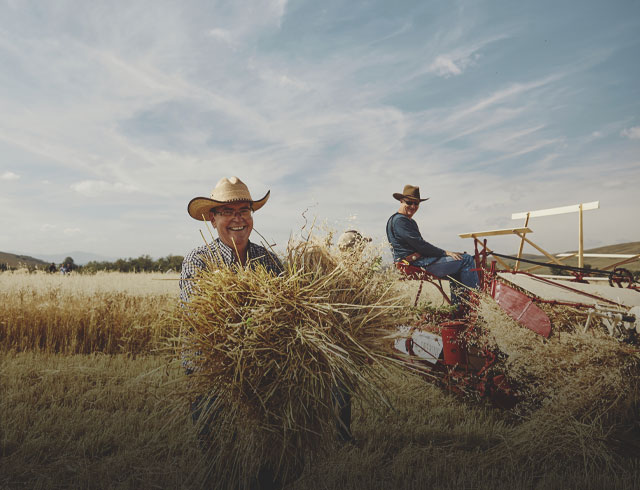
144 263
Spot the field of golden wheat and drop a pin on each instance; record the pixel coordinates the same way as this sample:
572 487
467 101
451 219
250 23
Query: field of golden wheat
89 400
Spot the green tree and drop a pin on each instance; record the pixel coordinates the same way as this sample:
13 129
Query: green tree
557 271
69 264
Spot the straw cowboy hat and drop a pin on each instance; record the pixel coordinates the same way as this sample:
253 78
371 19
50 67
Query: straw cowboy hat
409 192
226 191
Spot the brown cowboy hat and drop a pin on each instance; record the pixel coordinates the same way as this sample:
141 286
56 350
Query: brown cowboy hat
409 192
226 191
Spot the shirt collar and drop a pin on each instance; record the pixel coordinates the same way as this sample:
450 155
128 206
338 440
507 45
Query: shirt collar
229 254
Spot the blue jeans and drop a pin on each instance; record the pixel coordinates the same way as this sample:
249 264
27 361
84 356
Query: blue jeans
460 270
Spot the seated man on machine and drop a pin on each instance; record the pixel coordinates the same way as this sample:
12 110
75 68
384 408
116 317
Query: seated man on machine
410 248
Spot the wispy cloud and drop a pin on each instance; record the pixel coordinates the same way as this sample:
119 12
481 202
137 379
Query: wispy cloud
92 188
9 176
632 133
224 35
331 106
456 61
446 67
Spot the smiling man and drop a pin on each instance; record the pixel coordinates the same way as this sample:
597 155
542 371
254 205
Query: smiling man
230 210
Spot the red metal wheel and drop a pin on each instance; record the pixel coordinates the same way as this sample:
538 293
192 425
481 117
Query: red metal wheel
620 277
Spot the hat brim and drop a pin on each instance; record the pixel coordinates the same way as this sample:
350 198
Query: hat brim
400 197
198 208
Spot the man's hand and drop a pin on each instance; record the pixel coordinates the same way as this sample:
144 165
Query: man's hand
453 255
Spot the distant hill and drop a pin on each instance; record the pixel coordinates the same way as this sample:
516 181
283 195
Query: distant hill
79 258
17 261
630 248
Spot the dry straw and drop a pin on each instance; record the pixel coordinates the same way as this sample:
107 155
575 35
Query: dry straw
579 390
271 351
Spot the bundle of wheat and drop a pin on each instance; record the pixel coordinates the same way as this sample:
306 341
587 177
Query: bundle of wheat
269 354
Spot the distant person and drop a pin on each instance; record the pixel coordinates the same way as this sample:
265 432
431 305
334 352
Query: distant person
409 246
52 268
352 240
63 269
352 244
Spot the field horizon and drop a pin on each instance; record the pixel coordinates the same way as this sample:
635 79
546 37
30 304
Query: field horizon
16 260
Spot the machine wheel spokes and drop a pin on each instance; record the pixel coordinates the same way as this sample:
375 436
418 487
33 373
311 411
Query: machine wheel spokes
620 277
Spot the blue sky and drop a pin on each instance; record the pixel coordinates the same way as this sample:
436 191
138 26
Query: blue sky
117 113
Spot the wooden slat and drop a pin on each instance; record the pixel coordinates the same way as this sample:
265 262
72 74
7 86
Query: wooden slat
574 208
505 231
526 223
539 249
580 237
600 256
623 262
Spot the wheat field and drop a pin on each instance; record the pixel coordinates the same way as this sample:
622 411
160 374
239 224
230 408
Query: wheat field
89 399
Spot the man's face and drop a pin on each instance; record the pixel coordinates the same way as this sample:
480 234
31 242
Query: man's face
234 223
409 207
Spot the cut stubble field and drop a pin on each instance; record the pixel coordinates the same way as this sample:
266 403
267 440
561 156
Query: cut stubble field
90 399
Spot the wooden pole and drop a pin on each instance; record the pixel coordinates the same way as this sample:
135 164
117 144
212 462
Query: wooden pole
580 239
540 249
526 223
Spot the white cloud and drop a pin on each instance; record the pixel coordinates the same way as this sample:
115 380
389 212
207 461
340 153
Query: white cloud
632 133
9 176
93 188
444 66
47 227
224 35
172 101
454 61
278 8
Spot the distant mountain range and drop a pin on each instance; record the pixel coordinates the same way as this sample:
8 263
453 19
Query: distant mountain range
79 258
15 260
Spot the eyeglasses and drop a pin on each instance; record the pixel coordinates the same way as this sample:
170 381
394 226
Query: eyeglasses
242 212
412 203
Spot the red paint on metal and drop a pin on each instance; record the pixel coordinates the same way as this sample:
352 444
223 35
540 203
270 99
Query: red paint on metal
419 274
521 308
453 346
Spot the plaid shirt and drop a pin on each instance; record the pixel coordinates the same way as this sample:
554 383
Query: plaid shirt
198 258
220 254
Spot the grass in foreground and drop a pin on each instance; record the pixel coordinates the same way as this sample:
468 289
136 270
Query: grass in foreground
102 422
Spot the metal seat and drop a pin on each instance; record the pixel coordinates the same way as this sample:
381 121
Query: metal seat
413 273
